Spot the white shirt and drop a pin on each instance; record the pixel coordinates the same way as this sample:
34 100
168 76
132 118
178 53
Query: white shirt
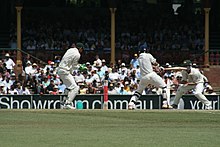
14 91
79 78
28 69
194 76
7 84
114 76
25 91
145 62
99 62
104 68
9 63
70 60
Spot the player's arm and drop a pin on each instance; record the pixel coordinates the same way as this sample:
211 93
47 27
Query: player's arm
157 68
184 82
156 64
75 63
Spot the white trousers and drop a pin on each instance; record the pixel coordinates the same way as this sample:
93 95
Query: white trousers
152 79
70 83
198 93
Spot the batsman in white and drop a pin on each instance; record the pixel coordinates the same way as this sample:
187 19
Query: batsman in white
191 79
148 76
69 63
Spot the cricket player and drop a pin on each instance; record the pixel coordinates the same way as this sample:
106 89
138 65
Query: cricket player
148 76
191 79
69 63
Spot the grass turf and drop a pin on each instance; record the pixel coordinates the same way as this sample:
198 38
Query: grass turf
108 128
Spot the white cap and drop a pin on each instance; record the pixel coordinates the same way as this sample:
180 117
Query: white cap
103 60
122 64
34 64
28 62
7 55
126 83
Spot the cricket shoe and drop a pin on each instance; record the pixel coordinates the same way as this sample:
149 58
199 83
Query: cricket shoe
131 106
68 106
165 106
208 107
174 106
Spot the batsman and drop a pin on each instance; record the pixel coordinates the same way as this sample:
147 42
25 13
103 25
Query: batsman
148 77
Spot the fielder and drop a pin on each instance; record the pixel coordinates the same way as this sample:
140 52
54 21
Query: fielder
148 76
69 63
191 79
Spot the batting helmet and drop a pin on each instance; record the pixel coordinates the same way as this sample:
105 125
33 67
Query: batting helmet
142 50
79 45
187 63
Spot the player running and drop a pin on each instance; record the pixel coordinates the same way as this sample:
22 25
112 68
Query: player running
69 63
148 77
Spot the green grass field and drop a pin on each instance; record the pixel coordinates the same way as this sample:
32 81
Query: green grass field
109 128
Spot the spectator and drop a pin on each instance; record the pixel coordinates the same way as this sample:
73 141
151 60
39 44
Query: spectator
2 89
9 63
25 91
114 76
12 90
82 88
61 86
7 82
28 71
50 87
91 89
79 78
2 67
104 68
19 87
121 91
111 89
55 90
98 61
45 82
134 62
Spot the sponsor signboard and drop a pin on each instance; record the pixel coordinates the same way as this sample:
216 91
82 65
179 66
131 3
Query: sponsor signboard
96 101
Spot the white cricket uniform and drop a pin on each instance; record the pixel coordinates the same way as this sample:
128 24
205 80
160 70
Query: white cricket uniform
148 76
194 76
69 63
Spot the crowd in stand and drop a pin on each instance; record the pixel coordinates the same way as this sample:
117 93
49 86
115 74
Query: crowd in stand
155 32
122 78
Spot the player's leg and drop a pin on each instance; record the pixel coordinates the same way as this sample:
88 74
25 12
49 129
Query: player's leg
157 81
138 93
182 89
72 89
66 91
198 93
